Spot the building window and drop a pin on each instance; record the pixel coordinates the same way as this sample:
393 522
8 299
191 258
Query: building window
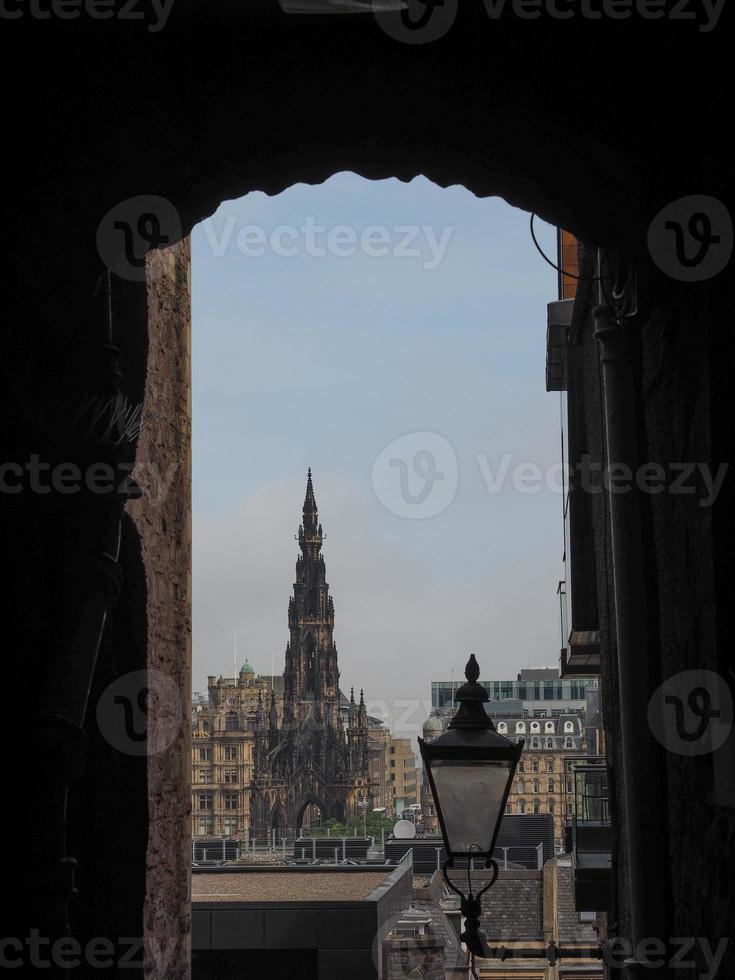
205 755
570 785
521 767
521 806
205 825
537 806
549 765
570 809
230 800
205 726
205 801
231 776
502 727
549 727
229 826
535 786
508 807
205 775
568 726
521 727
551 806
521 785
534 766
230 753
231 724
535 727
568 744
551 785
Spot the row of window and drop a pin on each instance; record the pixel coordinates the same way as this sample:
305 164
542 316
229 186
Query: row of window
230 801
232 724
229 752
535 765
535 807
551 784
535 786
228 776
205 826
443 692
536 743
535 726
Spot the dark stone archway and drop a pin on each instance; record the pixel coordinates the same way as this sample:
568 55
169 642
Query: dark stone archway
565 119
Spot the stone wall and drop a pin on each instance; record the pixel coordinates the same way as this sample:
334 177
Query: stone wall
163 519
420 957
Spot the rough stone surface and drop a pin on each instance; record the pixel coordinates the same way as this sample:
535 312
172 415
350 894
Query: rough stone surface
402 956
163 519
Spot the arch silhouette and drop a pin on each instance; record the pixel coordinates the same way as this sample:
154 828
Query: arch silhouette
278 819
301 807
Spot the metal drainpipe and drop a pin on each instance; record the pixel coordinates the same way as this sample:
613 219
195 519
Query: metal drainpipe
642 767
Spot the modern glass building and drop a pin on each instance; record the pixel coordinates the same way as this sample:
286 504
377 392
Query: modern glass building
549 690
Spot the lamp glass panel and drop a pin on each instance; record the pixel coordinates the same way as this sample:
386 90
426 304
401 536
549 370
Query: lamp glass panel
470 796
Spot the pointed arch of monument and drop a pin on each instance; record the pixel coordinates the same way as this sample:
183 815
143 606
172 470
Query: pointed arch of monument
277 821
302 805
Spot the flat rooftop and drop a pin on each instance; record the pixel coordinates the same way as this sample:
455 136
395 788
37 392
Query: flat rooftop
298 886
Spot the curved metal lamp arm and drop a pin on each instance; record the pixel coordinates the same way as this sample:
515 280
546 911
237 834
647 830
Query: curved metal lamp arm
471 907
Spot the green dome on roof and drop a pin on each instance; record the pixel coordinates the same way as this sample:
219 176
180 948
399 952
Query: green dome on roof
246 668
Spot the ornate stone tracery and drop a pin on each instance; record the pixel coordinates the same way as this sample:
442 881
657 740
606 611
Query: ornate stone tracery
297 762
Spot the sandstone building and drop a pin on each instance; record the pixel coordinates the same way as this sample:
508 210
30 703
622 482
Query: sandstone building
393 771
553 738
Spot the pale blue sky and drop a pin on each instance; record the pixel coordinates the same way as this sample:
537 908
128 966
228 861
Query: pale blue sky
324 360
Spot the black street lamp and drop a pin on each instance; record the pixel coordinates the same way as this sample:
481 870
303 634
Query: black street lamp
470 769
